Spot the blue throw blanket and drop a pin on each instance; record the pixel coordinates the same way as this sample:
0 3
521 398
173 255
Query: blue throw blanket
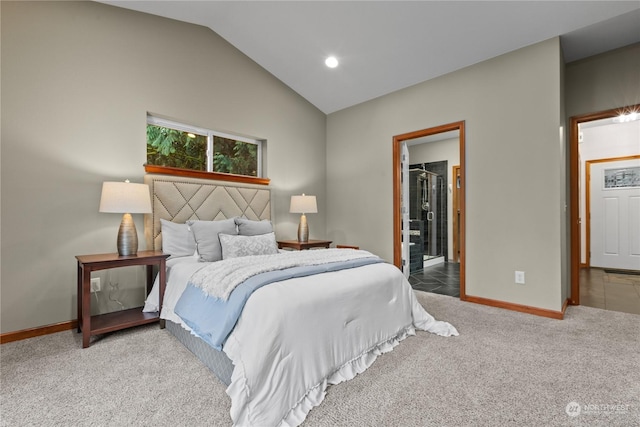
213 318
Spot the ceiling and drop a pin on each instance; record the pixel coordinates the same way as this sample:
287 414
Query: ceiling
384 46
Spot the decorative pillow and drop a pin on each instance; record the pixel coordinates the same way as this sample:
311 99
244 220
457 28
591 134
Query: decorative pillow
239 246
206 235
177 239
248 227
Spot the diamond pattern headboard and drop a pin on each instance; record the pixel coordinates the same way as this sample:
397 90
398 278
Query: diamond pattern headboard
180 199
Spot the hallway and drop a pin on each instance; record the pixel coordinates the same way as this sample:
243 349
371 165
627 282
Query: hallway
610 290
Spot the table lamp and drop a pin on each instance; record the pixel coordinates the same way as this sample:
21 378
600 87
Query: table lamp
126 198
303 205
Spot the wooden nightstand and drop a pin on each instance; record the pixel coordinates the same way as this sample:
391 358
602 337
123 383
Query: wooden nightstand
103 323
294 244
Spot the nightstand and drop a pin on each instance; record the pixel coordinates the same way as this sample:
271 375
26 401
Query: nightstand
294 244
103 323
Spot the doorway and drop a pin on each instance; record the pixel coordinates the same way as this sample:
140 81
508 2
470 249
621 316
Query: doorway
612 203
596 285
406 228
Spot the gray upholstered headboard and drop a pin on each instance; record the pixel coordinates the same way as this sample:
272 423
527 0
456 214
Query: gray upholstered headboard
180 199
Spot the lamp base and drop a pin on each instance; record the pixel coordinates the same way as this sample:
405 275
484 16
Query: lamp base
303 229
127 237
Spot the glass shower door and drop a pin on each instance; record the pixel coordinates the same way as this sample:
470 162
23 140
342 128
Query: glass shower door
434 209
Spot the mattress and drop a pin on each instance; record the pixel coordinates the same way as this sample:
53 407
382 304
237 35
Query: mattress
215 360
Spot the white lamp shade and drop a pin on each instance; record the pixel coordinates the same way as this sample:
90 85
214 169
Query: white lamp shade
303 204
125 197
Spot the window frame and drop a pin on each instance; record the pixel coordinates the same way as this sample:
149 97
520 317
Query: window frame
209 173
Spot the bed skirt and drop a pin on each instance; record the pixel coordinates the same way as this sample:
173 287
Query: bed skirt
215 360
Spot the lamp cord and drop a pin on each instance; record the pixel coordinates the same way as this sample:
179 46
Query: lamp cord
112 287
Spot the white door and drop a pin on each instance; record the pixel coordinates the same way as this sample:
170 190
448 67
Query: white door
405 207
615 214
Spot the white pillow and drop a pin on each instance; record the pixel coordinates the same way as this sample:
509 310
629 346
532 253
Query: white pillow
206 235
239 246
177 239
248 227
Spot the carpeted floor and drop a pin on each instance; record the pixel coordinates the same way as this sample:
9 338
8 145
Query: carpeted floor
505 368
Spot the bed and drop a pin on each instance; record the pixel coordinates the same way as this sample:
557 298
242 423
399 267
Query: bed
298 322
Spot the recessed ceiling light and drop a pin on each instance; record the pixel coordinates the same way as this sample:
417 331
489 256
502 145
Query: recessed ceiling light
331 62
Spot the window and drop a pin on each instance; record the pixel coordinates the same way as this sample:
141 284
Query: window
231 155
168 146
176 145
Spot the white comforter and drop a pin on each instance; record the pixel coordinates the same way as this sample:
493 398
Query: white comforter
296 337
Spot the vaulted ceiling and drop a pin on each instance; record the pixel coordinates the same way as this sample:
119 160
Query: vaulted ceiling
384 46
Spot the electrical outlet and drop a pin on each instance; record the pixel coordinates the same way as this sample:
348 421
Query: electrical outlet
95 284
520 277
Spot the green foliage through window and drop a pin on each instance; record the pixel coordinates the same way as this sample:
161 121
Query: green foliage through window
178 149
238 157
186 148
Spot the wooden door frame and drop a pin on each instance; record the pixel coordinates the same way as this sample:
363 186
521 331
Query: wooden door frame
397 191
574 193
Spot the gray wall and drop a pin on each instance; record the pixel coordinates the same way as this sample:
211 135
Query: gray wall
78 79
603 82
514 169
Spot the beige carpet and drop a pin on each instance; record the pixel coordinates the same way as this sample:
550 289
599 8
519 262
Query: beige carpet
505 368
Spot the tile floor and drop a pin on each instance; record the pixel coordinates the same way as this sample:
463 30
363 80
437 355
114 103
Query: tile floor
443 279
610 291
